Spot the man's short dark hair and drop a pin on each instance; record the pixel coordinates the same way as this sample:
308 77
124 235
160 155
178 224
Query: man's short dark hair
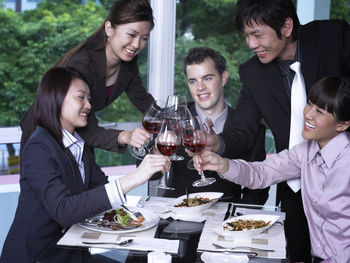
198 54
269 12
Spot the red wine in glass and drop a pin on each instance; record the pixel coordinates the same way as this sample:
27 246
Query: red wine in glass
151 121
194 139
152 125
168 149
193 145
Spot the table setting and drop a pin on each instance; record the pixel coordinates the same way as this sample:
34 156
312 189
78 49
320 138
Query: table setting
206 220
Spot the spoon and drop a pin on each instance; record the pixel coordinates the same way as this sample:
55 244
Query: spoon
124 243
187 196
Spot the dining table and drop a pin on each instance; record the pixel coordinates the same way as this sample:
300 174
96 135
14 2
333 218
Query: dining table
185 237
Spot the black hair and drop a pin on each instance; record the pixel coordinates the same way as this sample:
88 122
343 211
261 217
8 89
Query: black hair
332 93
52 90
198 54
121 12
269 12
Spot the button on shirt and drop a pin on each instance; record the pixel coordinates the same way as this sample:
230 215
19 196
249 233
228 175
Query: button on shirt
325 186
76 146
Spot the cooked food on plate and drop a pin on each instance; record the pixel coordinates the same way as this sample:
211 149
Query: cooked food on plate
245 224
118 219
196 201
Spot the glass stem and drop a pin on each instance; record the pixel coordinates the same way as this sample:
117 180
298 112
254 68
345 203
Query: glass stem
202 175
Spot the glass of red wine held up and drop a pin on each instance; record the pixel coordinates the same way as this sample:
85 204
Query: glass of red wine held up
151 122
168 141
194 139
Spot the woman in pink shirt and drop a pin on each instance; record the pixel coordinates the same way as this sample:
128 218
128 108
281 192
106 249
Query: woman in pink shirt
322 163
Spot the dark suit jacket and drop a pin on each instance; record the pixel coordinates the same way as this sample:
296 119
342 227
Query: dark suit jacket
53 197
91 63
184 177
325 50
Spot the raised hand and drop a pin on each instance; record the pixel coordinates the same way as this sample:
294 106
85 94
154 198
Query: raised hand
136 138
208 160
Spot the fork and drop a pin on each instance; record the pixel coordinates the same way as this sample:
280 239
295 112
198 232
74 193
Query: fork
135 214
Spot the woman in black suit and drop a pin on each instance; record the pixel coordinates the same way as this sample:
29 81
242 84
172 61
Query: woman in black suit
108 62
60 183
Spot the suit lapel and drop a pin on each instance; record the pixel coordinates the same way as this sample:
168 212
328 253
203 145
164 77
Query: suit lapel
76 176
309 57
275 85
98 63
87 166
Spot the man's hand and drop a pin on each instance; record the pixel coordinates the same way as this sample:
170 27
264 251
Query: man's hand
210 161
213 143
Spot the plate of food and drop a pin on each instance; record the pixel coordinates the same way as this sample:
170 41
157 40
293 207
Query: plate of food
247 225
196 202
121 221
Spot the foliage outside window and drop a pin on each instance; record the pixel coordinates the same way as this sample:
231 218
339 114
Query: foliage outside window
33 40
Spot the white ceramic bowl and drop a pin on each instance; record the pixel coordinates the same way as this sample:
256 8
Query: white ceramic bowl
248 233
194 209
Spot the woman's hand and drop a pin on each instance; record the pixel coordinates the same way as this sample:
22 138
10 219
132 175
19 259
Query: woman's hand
151 164
207 160
137 137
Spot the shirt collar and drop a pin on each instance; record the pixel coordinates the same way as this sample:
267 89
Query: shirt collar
331 150
70 139
217 120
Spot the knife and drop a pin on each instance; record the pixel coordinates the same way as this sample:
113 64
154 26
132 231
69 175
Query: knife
227 214
249 254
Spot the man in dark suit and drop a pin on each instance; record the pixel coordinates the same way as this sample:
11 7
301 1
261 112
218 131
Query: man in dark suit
273 32
206 74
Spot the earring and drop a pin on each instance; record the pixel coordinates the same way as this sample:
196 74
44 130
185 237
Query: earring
109 39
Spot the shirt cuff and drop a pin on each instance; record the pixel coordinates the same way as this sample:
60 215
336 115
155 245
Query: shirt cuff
115 193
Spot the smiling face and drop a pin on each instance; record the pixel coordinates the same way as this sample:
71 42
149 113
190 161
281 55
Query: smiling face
320 125
207 86
75 106
263 40
127 40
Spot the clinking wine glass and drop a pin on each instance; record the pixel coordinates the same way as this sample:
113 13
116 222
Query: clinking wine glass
151 122
168 141
194 139
176 110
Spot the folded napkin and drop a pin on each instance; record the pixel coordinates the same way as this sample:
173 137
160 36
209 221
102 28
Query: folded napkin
209 257
143 240
158 257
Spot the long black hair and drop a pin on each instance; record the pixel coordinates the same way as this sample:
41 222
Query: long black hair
121 12
52 90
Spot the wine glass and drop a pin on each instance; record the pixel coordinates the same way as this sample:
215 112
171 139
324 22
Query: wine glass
175 110
168 141
194 139
151 122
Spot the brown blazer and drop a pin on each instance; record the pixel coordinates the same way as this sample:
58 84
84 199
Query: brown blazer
91 63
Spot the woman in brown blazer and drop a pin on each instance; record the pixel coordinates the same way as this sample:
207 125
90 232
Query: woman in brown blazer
108 62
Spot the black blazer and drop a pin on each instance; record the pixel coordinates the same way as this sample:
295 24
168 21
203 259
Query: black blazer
91 63
53 197
184 177
325 50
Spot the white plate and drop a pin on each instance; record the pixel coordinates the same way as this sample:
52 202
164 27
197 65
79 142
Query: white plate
223 258
194 209
246 232
151 219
